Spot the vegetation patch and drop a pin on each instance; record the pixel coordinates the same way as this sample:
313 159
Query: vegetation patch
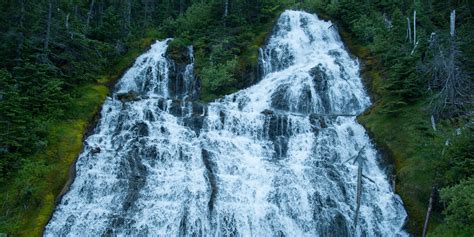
30 198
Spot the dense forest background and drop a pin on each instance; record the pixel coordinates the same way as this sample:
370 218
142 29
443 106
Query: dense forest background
59 56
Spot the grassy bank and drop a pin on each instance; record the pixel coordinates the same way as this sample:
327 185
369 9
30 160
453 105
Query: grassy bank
406 138
29 199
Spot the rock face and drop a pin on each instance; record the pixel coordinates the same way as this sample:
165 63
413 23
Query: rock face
127 96
182 83
265 161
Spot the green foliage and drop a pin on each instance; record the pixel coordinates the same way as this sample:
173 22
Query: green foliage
219 79
460 206
363 28
178 49
43 89
457 162
197 20
225 46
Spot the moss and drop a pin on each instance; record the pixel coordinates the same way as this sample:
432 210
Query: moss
64 143
178 50
412 153
406 138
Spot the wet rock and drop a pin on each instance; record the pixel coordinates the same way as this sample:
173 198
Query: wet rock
141 129
182 82
280 144
321 82
318 122
178 51
209 164
194 122
128 96
175 108
267 112
243 102
305 102
320 77
279 100
95 150
222 116
148 114
199 109
337 227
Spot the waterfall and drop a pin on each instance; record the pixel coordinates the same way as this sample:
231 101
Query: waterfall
275 159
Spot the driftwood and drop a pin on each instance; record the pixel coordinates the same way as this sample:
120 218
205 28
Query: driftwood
359 192
428 213
371 180
359 183
357 156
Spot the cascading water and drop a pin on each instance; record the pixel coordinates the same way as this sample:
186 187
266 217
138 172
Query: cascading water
271 160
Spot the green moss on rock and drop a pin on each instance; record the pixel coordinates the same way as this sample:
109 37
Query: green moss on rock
178 50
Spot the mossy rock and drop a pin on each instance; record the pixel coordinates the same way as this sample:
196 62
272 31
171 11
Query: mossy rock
178 50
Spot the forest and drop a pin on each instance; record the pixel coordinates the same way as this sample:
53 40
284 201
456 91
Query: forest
60 58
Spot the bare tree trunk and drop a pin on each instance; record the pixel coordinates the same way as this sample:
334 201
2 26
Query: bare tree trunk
359 193
428 213
454 85
48 26
66 23
226 8
408 30
453 23
433 123
226 11
414 28
89 16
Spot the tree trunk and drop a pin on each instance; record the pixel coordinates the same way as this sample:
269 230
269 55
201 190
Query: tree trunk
359 193
226 8
66 23
89 16
428 213
453 23
408 30
414 28
433 123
